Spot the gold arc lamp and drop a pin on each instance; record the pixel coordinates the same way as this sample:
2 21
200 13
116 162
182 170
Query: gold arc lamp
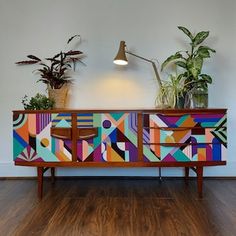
121 59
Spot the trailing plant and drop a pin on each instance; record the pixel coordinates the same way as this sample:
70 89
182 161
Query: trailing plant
191 61
38 102
172 90
54 70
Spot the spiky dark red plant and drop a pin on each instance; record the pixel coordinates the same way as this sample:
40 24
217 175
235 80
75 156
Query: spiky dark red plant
54 73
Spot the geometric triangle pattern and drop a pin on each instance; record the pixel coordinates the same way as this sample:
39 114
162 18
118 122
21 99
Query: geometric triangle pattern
28 154
32 139
220 131
62 120
181 138
116 139
166 138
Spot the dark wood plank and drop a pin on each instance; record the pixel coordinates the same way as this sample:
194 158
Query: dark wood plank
74 136
122 164
148 110
118 207
40 171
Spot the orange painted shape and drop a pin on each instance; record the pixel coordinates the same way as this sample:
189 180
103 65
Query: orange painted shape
108 148
178 135
189 122
23 132
112 155
61 156
115 156
121 127
201 154
32 124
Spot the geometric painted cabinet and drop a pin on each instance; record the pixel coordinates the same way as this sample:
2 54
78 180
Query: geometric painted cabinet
190 138
115 138
184 137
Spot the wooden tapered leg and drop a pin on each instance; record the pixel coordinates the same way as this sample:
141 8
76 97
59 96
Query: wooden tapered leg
186 175
53 174
40 182
199 180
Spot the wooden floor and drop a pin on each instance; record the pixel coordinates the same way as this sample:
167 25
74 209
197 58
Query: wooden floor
114 207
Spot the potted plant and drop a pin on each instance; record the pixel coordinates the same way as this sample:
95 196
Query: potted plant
54 72
38 102
191 62
172 92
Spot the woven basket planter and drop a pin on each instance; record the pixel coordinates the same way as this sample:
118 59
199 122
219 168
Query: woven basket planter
59 96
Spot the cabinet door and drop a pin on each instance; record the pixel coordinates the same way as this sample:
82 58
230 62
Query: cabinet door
32 139
115 140
187 137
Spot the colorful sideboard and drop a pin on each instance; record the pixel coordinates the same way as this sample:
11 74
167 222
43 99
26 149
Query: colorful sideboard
190 138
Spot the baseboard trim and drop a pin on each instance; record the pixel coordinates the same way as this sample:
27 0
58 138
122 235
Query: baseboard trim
119 178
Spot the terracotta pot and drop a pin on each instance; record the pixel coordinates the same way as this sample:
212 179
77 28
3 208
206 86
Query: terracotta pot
59 96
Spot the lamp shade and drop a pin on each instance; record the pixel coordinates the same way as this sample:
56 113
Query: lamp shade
120 58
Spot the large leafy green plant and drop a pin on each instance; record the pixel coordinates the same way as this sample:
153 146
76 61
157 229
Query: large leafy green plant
54 70
191 61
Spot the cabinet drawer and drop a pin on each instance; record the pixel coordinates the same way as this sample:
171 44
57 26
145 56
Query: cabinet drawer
184 120
184 152
184 135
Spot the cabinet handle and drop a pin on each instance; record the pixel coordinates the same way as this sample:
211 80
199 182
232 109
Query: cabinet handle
61 133
175 129
175 144
173 114
87 133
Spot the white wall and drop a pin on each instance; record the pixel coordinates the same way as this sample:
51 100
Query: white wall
149 28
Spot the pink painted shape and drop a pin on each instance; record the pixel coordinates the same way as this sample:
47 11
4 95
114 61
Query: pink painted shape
169 158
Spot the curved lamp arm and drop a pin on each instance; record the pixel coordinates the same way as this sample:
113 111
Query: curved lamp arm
153 65
121 59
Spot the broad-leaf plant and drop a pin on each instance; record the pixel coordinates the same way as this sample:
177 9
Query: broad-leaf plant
191 61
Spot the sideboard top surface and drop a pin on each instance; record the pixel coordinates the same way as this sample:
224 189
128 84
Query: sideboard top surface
148 110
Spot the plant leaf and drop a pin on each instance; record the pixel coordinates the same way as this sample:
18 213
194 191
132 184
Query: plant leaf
204 53
194 65
71 53
26 62
57 55
71 38
34 57
176 56
186 31
181 64
200 37
207 48
206 78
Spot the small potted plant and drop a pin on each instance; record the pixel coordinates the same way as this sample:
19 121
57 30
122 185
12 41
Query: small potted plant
54 72
191 62
38 102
